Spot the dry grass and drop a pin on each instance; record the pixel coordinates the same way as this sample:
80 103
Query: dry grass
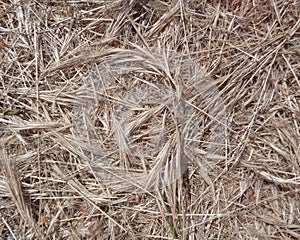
150 119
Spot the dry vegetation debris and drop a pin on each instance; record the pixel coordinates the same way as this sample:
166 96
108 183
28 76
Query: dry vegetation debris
111 111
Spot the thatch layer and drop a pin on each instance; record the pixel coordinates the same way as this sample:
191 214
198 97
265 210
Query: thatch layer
149 119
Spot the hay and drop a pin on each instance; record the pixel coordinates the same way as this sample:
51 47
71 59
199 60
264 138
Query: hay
149 119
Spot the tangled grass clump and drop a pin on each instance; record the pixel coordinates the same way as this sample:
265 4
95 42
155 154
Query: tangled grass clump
149 119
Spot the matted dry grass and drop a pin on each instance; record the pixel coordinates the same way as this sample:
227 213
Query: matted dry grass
75 166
